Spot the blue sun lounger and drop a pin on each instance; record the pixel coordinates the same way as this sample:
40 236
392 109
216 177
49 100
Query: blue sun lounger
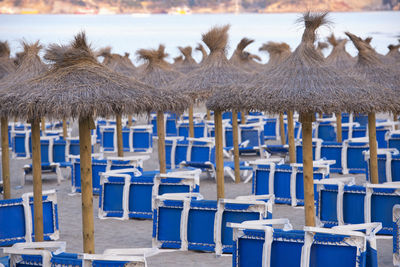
199 129
393 139
100 165
135 138
260 244
47 254
201 154
21 228
128 193
285 181
341 203
396 235
187 222
47 163
388 165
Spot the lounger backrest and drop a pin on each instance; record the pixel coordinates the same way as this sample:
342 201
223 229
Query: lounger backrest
142 139
393 140
270 128
199 151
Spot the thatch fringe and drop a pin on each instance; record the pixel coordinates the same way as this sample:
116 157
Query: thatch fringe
188 64
216 38
312 22
243 59
332 40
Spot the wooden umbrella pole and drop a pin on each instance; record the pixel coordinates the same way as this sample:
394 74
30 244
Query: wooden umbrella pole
373 150
191 125
396 119
37 180
243 117
339 127
43 125
86 184
120 145
161 141
129 120
65 129
292 147
219 156
235 136
309 207
208 114
5 159
282 129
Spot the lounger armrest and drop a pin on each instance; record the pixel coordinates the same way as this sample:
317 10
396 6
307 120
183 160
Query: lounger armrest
392 185
59 245
181 174
267 161
179 196
333 231
244 143
334 181
255 197
130 158
370 228
261 224
103 257
146 252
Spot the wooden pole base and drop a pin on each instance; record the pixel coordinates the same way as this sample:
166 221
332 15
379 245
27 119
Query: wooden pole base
37 180
208 115
373 149
86 184
309 207
219 157
161 141
120 145
339 127
191 124
292 146
5 159
235 136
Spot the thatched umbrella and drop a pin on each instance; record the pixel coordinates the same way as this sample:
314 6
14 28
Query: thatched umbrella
31 66
342 60
123 66
393 56
77 86
7 67
370 67
188 64
305 83
199 85
278 52
321 46
158 74
177 60
203 51
243 59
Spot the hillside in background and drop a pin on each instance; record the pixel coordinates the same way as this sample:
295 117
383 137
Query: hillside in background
188 6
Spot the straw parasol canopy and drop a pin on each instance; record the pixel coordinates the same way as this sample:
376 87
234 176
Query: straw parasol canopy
393 56
278 52
215 71
320 47
6 64
78 86
339 56
188 64
30 66
305 83
243 59
177 60
158 73
203 51
117 63
371 68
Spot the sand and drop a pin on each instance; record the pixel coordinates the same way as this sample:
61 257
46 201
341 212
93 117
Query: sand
112 233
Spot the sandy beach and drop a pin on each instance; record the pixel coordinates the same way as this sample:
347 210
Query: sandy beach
112 233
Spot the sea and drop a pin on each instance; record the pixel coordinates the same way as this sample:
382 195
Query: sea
128 33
